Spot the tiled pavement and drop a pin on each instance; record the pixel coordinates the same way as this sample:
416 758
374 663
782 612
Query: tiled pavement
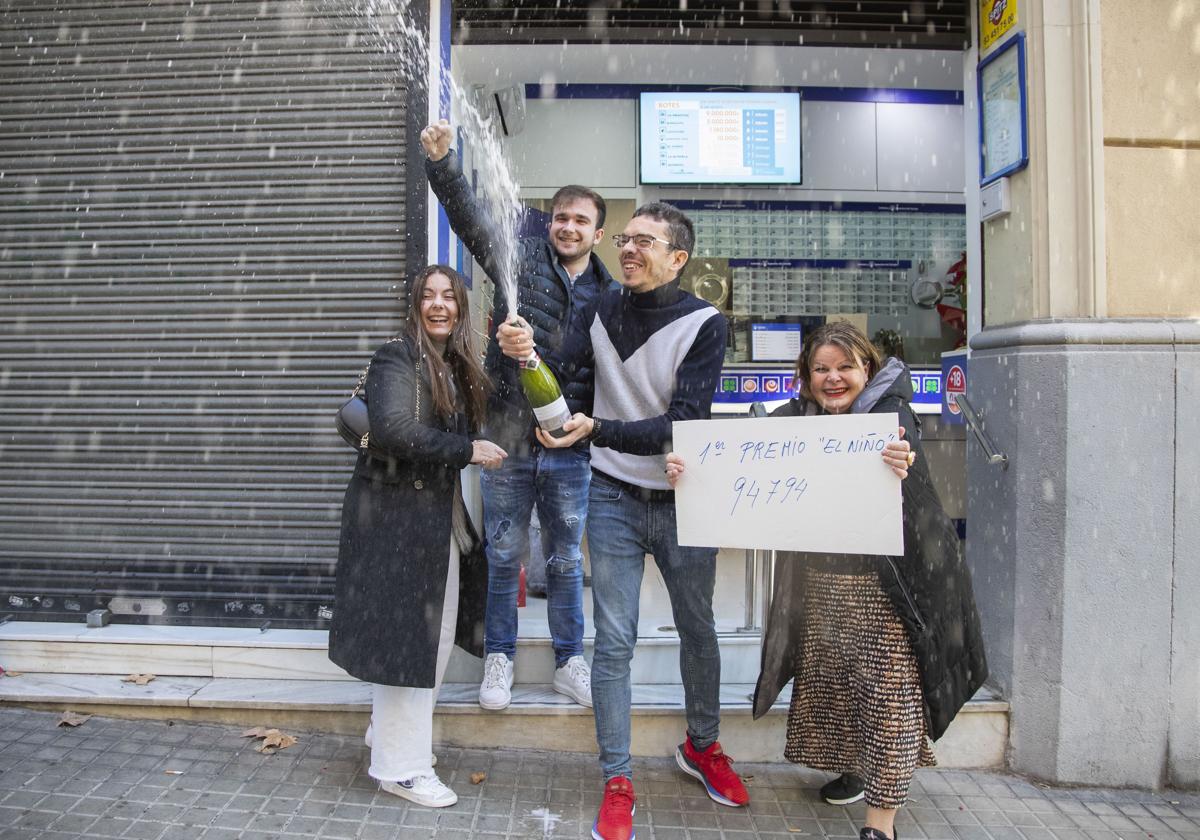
109 778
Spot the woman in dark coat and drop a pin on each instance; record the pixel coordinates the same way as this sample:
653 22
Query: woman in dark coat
411 578
883 650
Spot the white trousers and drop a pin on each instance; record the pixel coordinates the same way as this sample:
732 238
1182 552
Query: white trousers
402 717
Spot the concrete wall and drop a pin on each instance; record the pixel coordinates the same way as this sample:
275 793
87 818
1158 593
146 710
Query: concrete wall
1150 63
1008 261
1184 749
1081 550
1033 260
992 536
1151 208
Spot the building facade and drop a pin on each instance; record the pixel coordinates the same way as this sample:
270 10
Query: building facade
209 211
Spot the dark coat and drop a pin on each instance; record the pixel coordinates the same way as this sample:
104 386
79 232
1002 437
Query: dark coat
929 586
545 297
395 541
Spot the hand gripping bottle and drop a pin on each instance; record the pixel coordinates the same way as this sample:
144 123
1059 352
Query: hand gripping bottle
544 395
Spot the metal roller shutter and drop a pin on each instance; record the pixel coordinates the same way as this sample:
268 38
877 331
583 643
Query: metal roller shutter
203 233
905 24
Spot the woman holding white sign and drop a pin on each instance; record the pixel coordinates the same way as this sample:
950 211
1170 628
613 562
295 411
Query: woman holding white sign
884 651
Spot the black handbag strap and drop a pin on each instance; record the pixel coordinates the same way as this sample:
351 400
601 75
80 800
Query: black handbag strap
365 441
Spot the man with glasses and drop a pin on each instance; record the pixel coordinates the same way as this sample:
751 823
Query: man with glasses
657 352
558 274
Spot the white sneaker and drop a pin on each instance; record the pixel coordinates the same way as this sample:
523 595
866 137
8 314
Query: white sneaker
424 790
495 693
367 739
574 679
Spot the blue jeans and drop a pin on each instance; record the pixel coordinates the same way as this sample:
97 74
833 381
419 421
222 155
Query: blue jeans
556 480
623 528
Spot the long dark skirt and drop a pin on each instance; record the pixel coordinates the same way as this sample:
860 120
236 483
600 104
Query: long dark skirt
857 705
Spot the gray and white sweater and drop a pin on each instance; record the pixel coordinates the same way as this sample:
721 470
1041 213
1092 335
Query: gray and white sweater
657 356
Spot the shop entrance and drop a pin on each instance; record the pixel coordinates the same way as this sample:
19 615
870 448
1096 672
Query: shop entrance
872 227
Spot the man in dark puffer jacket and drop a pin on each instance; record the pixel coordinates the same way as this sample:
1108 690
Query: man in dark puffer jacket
558 275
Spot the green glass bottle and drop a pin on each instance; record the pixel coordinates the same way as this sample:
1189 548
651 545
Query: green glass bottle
544 395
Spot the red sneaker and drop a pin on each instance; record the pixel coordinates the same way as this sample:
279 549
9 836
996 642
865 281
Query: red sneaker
713 768
615 820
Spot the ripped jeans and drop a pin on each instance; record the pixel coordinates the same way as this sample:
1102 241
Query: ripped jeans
557 481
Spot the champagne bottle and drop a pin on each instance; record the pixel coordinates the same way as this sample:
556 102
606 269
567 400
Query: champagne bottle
544 395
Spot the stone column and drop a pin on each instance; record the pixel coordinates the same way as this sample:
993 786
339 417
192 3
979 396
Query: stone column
1086 373
1086 550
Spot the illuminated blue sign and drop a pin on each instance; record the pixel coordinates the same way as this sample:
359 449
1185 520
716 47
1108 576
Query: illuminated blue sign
753 385
927 387
747 385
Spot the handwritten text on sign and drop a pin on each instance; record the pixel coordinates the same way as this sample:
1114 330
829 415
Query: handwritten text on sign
790 483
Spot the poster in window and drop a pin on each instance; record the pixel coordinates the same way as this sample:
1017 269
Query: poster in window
1002 110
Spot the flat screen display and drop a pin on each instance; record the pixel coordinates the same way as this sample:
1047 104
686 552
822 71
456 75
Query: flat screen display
719 138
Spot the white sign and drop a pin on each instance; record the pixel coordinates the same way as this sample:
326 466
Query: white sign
790 483
1002 111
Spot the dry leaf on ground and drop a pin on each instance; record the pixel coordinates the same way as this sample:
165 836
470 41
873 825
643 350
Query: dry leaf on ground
477 778
139 679
273 740
173 772
70 718
10 673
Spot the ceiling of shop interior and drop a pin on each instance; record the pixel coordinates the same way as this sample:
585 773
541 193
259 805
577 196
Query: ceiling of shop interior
932 24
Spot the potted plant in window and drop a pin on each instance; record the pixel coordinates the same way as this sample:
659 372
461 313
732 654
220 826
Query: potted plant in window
953 305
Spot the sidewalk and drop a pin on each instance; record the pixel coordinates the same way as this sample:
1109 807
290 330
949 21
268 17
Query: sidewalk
113 778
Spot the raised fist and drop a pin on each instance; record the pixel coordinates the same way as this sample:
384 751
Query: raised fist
435 139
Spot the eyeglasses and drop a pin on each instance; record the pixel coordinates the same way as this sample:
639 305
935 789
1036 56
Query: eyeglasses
643 242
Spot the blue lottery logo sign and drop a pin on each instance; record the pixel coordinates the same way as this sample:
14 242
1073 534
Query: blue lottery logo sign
747 386
738 386
927 387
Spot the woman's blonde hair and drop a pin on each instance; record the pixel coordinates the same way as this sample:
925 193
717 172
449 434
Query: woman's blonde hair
847 338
